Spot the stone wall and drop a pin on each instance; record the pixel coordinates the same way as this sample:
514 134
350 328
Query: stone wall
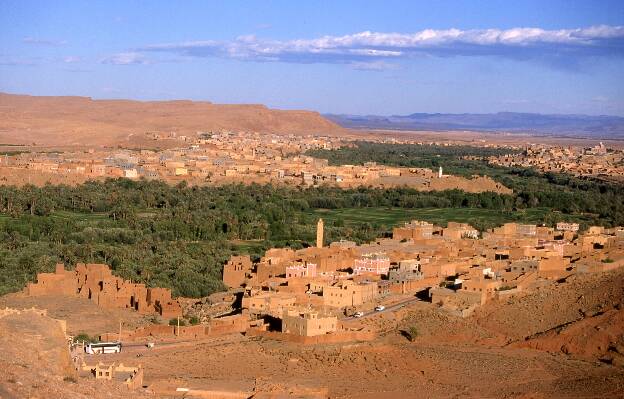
333 338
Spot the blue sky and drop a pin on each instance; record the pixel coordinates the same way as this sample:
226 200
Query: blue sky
361 57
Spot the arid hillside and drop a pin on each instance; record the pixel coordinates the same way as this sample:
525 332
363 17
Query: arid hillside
581 316
559 341
36 362
60 121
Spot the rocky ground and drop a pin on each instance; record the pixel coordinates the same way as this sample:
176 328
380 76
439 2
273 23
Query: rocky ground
81 315
389 368
582 316
215 305
491 354
35 363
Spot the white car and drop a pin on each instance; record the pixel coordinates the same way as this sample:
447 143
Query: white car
380 308
358 314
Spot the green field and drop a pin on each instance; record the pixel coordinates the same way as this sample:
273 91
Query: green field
478 217
377 216
248 246
80 217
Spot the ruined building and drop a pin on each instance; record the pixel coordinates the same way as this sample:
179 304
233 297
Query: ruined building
237 270
97 283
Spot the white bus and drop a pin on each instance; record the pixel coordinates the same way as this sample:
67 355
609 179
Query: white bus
103 347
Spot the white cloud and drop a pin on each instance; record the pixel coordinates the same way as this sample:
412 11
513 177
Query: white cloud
558 46
378 65
127 58
70 59
19 60
43 42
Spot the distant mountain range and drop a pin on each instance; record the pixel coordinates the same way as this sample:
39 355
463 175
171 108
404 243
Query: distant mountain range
602 126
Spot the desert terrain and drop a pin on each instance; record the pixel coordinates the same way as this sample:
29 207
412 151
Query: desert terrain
36 363
522 345
62 121
563 340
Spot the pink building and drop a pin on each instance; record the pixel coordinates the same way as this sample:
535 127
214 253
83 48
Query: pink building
375 263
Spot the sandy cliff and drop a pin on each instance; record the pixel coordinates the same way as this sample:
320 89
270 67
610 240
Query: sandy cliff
84 121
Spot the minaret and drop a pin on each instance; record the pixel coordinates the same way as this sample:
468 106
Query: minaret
440 173
319 234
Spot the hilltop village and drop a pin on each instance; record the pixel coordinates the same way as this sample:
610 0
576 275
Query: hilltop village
455 267
318 294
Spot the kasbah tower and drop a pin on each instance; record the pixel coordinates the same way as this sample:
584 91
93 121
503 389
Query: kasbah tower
319 234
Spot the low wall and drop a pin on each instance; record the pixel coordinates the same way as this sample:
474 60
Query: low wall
507 293
217 327
136 380
333 338
197 331
181 392
600 267
414 285
463 313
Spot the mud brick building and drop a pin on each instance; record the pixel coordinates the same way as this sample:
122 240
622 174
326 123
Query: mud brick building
132 377
268 303
307 323
474 267
61 282
414 230
348 293
236 271
301 270
374 263
97 283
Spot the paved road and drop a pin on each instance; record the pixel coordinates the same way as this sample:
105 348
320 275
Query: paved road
389 308
138 347
209 341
